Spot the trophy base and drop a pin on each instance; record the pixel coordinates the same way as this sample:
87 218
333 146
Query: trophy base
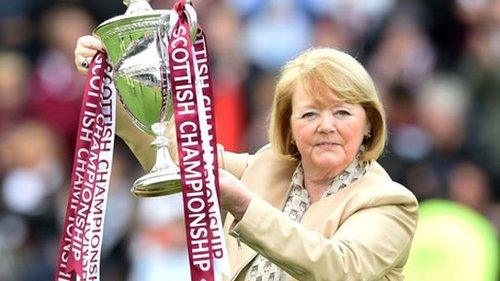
157 184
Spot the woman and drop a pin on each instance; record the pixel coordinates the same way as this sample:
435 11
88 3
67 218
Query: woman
314 204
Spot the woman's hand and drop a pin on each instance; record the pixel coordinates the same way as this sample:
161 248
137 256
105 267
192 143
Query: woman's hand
234 195
86 47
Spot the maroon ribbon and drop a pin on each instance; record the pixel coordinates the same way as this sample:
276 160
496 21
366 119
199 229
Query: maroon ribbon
185 62
80 244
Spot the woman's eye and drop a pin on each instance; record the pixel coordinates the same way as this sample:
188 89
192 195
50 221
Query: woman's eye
308 115
342 113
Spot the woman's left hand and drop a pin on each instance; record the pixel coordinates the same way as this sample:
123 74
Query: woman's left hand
86 47
234 195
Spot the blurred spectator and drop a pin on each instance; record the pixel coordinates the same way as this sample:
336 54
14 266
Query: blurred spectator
18 26
469 185
356 20
103 10
223 29
14 72
259 99
480 69
471 11
31 155
408 142
278 31
34 170
408 139
446 30
404 56
442 106
329 32
57 86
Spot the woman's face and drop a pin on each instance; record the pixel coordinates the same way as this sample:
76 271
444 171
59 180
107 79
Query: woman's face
328 135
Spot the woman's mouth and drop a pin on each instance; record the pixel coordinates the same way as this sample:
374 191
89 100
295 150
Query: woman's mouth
326 144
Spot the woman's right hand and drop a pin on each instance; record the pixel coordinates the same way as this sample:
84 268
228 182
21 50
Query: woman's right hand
86 47
234 195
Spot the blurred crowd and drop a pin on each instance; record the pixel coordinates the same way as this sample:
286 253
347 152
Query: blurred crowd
436 65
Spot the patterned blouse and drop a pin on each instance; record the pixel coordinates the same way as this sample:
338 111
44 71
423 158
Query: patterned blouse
297 203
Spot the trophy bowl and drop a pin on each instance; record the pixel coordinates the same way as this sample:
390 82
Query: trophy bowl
131 43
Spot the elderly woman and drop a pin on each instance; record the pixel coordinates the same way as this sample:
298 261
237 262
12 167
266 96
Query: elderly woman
313 204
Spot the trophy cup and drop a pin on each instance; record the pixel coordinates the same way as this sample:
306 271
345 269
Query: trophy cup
131 44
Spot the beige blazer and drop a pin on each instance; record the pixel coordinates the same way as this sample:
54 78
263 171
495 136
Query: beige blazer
363 232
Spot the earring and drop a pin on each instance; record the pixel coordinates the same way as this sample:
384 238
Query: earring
292 141
369 135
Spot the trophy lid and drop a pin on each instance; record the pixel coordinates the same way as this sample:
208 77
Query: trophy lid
137 6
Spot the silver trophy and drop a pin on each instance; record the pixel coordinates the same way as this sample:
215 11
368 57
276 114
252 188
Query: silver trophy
131 43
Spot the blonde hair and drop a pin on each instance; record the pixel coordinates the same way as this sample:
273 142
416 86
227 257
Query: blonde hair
324 70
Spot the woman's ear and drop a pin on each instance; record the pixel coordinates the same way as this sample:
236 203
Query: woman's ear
368 130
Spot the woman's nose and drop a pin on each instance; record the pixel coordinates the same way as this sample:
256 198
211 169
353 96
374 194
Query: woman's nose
327 123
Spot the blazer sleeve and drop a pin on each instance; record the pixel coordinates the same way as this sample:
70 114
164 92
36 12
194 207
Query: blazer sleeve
139 143
365 247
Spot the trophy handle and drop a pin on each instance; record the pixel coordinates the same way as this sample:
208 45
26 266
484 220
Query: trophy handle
192 19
